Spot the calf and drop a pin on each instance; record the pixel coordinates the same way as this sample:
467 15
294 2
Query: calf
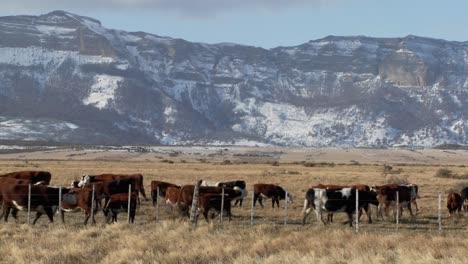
270 191
78 199
208 201
163 186
454 203
387 196
119 203
337 200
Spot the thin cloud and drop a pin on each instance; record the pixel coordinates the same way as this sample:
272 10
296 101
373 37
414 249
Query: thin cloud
195 8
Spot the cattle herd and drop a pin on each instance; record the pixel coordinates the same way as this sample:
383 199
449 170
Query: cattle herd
110 193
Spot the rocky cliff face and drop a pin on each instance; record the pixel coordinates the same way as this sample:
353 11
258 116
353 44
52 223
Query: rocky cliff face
67 78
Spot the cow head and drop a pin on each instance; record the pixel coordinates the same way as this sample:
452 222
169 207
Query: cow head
85 180
374 188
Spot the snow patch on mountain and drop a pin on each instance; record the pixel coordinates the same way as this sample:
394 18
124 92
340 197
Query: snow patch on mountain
102 92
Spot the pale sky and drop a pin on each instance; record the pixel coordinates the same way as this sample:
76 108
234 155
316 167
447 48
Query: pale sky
265 23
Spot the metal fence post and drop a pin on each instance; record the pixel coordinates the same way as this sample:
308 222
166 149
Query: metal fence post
319 209
60 202
129 201
92 203
222 205
357 211
252 208
439 218
397 209
157 203
193 213
29 203
286 207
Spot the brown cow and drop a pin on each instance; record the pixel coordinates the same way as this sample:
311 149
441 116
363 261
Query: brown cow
78 199
33 176
162 189
119 203
44 199
137 178
266 191
208 201
454 203
387 196
186 193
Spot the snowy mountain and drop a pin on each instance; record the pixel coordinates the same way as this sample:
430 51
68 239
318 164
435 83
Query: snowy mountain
67 78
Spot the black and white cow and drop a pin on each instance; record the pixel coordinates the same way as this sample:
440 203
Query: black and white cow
238 185
336 200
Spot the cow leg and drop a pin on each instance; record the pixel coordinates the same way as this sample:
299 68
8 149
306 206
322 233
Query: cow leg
14 213
260 200
50 213
87 215
62 215
114 216
410 210
350 219
154 198
6 212
277 201
273 199
38 214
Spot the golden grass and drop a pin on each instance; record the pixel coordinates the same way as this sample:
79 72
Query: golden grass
268 241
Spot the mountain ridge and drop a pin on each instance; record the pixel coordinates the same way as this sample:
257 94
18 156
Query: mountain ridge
90 84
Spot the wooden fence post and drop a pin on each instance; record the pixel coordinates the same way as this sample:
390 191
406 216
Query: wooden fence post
93 196
357 211
60 202
252 208
193 213
29 203
439 218
222 205
129 202
397 209
286 207
157 203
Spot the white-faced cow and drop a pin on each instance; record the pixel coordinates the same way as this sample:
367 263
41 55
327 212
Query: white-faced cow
136 178
270 191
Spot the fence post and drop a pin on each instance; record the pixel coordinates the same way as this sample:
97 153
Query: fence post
93 196
319 209
252 208
357 211
397 209
60 202
193 213
286 207
29 203
222 205
129 201
157 203
439 219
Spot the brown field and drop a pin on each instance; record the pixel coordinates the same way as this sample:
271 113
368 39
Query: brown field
171 240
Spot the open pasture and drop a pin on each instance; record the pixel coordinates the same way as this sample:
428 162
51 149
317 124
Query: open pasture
170 240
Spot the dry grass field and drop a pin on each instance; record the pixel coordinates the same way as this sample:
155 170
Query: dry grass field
171 240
